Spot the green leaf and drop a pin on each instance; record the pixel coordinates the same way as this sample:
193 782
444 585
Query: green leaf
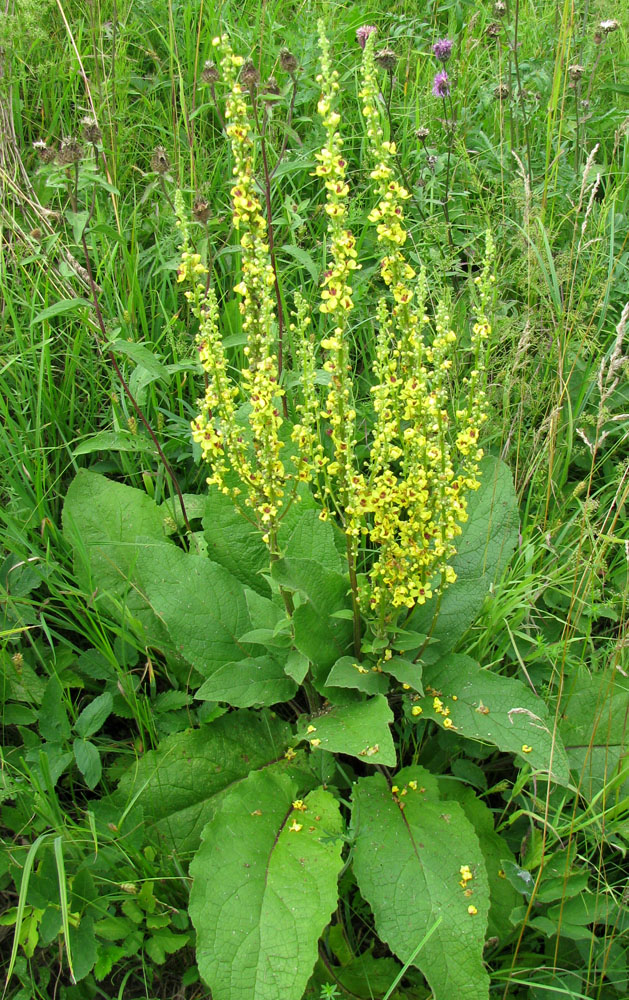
202 606
360 730
593 726
503 897
259 680
405 672
78 221
103 521
94 715
493 709
407 863
319 636
60 308
312 538
296 666
83 947
114 441
142 356
88 761
264 890
175 784
484 549
347 672
53 718
164 942
235 543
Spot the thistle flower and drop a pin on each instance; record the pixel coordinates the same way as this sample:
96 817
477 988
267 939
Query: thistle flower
70 151
363 33
288 61
500 8
576 72
501 92
609 25
45 153
386 59
160 162
201 209
210 72
441 84
249 74
422 134
443 49
91 130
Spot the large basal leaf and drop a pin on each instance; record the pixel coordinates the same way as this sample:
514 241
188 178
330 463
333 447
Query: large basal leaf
409 851
593 725
258 680
265 886
202 605
360 730
484 548
175 785
485 706
496 851
103 521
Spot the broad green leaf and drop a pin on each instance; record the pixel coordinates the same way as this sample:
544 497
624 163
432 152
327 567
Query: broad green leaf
265 886
88 761
484 548
201 604
259 680
593 726
164 942
234 542
360 730
347 672
405 672
312 538
482 705
409 850
297 666
503 897
175 784
103 521
318 635
94 715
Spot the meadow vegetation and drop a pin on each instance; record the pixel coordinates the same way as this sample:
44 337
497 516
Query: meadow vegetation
315 547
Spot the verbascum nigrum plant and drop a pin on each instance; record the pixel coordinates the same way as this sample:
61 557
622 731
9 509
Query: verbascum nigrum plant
402 509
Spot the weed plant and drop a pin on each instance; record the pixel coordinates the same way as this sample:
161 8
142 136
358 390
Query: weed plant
121 568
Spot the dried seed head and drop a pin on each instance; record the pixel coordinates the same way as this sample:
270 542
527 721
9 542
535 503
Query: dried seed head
576 72
386 59
249 75
493 30
70 151
422 134
500 8
609 25
501 92
288 61
91 131
210 72
431 163
43 150
271 87
160 162
201 209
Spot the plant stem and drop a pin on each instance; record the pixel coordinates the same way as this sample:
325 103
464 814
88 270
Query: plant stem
351 563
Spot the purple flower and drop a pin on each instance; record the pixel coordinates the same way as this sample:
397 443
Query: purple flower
441 84
442 49
363 33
